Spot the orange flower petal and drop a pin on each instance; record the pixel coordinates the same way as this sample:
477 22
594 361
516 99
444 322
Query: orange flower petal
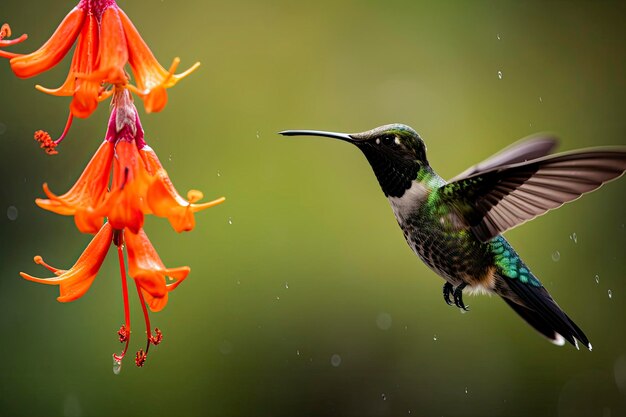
86 194
124 205
146 267
85 91
75 282
113 53
151 78
84 55
164 200
155 303
53 50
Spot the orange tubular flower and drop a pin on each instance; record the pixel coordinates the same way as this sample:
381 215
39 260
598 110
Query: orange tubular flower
124 205
152 79
124 180
140 184
164 200
85 92
145 267
75 282
148 271
88 192
107 41
53 51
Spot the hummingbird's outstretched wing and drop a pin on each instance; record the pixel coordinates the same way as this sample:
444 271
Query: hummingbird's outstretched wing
502 197
532 147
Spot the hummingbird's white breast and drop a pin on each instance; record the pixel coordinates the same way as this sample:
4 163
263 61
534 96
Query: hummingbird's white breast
410 201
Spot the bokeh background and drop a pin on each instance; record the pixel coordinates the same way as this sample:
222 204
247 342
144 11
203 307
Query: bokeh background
304 299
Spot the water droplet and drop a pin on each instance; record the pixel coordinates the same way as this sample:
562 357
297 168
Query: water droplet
574 237
12 213
335 360
500 75
556 256
226 347
298 352
466 390
383 321
597 279
170 158
498 36
610 294
117 366
384 397
219 174
540 99
3 128
435 338
258 134
238 282
277 298
230 220
286 285
71 407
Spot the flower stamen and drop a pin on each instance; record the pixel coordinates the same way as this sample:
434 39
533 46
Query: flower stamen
194 195
39 261
68 124
5 32
141 356
157 338
46 141
124 332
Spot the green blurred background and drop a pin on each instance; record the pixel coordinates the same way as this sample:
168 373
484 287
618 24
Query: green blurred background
304 299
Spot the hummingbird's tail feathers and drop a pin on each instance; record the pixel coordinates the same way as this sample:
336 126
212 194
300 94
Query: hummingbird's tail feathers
537 322
544 314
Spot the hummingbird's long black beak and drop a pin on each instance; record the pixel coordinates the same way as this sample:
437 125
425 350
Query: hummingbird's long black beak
334 135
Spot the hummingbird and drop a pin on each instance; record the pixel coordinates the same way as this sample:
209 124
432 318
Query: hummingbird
455 227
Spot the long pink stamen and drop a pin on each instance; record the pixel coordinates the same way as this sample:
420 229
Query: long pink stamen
124 331
67 129
141 356
45 141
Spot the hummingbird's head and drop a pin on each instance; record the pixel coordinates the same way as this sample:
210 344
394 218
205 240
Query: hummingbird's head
396 153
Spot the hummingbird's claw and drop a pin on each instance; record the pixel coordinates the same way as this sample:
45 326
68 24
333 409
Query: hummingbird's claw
447 290
458 297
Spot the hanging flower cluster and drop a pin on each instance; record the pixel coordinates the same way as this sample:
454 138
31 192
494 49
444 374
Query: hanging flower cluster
124 180
106 40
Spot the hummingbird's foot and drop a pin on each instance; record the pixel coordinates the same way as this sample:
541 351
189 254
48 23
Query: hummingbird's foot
458 297
447 290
